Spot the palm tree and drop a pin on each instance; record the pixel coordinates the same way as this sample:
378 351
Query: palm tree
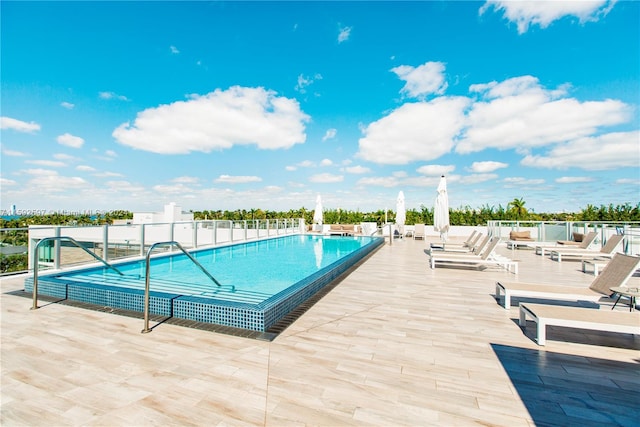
516 206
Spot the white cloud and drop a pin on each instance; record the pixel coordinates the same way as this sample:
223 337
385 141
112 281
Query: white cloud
111 153
13 153
85 168
290 168
217 121
108 174
357 170
306 164
423 80
7 182
386 182
124 186
436 170
65 157
477 178
521 114
543 13
304 82
186 180
414 132
523 181
326 162
18 125
48 163
488 166
344 34
70 140
112 95
573 179
330 134
603 152
229 179
174 49
67 105
173 189
422 181
623 181
51 182
325 178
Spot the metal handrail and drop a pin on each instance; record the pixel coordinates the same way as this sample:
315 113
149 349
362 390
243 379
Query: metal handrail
381 228
147 277
35 263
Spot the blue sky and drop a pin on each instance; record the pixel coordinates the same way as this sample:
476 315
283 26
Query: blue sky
242 105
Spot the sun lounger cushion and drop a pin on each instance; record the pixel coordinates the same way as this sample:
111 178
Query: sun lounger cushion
578 317
521 235
616 273
577 239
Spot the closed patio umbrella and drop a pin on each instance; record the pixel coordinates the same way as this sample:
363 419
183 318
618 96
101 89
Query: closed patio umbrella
441 210
401 214
317 214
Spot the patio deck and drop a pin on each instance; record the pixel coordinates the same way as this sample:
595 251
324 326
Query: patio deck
394 344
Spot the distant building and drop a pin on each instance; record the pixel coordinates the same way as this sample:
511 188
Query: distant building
171 213
13 210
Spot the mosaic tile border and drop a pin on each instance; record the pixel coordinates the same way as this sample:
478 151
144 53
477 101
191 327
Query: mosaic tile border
254 317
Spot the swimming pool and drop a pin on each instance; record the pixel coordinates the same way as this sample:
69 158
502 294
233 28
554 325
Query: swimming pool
261 281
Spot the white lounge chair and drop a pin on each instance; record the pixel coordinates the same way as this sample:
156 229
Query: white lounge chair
616 273
469 242
418 232
477 249
472 260
606 251
586 241
578 317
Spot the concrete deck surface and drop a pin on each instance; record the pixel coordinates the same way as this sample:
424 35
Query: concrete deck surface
394 344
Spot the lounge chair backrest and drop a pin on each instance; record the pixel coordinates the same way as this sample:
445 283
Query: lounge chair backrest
490 248
615 273
471 239
612 244
588 239
471 242
479 247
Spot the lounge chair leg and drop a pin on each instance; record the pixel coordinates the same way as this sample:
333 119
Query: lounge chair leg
542 332
616 303
523 318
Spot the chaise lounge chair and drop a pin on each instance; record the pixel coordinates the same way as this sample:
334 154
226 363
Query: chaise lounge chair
586 241
519 238
472 260
469 242
616 273
606 251
578 317
477 249
418 232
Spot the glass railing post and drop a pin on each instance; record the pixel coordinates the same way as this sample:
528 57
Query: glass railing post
141 239
194 235
56 248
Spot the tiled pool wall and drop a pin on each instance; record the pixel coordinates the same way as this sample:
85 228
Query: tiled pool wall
255 317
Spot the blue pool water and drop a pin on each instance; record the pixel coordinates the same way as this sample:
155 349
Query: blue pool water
261 281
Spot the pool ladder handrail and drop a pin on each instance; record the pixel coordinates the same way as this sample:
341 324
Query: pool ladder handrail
148 276
36 262
380 230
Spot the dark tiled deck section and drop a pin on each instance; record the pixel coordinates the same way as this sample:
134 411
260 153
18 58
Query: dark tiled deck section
394 343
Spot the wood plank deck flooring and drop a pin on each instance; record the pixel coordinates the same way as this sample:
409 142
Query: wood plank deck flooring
394 344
